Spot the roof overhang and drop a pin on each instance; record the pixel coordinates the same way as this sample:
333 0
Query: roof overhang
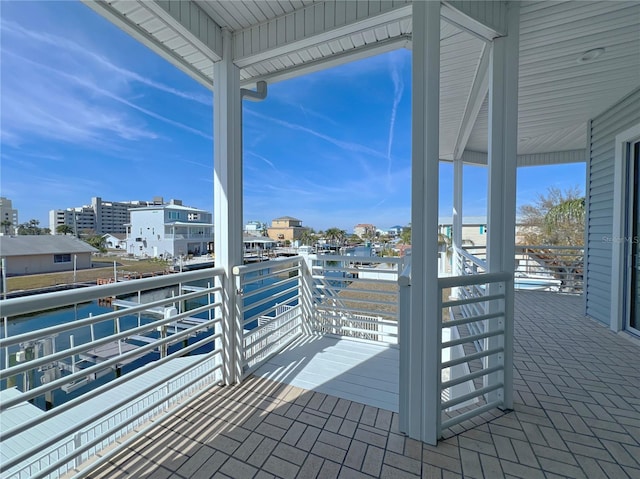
279 40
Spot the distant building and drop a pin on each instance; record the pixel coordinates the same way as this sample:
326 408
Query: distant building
364 230
32 254
8 214
254 228
395 231
115 241
286 228
100 216
168 231
474 230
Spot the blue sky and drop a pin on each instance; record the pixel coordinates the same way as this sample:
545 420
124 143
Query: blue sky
88 111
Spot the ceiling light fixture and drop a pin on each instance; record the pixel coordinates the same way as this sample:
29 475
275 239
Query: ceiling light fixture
590 55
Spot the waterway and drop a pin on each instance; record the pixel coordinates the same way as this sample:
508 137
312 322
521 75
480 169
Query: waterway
24 324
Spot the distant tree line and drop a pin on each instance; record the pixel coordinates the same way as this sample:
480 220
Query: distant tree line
32 227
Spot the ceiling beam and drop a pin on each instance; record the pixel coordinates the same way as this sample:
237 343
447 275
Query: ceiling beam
365 51
310 26
478 93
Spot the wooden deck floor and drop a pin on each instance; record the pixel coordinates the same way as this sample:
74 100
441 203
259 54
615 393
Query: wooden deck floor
363 372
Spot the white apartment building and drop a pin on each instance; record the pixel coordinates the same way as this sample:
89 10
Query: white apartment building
100 216
167 231
8 213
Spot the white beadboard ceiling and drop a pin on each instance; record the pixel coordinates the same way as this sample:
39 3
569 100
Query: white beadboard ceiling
276 40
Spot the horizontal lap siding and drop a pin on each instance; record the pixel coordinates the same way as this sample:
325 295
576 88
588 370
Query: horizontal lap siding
604 129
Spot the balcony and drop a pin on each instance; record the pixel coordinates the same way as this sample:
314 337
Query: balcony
316 349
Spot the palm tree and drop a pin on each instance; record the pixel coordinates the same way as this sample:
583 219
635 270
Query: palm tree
64 229
307 237
6 224
335 235
405 236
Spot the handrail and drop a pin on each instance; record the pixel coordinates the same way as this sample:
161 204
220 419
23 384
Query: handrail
468 280
58 299
358 259
249 268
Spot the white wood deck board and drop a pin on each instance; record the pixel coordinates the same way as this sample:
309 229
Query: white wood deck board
357 371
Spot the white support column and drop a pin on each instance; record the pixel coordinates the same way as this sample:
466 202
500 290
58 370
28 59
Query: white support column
502 161
421 420
227 192
457 216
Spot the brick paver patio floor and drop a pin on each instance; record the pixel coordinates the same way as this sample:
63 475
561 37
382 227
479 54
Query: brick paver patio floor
576 414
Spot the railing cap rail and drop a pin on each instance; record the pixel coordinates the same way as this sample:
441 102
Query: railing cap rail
467 280
248 268
57 299
359 259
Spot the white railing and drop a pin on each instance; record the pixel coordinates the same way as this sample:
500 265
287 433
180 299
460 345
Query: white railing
469 382
269 304
158 334
537 267
552 268
487 373
356 297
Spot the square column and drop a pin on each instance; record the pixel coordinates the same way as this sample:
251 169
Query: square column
502 161
227 192
420 365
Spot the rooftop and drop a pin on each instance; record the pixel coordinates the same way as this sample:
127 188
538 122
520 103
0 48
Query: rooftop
42 244
576 414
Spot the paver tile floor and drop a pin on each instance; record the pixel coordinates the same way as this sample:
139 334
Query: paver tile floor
576 414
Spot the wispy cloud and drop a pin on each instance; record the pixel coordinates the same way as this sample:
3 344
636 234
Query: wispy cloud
345 145
398 89
100 62
62 111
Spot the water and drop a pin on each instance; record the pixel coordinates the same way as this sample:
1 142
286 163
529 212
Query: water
83 335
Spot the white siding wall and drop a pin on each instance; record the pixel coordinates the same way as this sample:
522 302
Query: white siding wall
44 263
599 193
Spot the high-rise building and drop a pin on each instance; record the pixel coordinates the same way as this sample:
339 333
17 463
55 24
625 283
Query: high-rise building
8 214
100 216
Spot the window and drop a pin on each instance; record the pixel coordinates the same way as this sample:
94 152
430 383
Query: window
62 258
483 230
174 215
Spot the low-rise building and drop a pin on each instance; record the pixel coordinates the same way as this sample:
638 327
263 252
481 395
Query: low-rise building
286 228
115 241
168 231
33 254
474 229
254 228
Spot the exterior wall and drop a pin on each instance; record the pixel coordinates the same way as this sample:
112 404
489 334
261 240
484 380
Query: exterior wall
101 216
152 232
476 234
599 198
285 223
363 230
284 233
44 263
8 213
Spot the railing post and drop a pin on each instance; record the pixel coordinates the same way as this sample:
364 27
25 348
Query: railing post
306 295
404 316
508 344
